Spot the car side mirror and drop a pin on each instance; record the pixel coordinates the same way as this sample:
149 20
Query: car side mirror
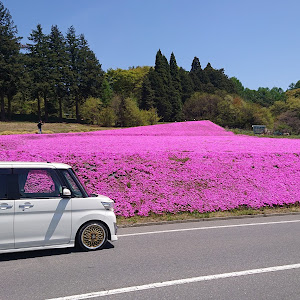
66 193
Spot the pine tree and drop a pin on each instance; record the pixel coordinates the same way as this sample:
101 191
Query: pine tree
217 80
195 74
186 84
39 68
196 66
212 79
9 58
58 62
85 72
175 90
147 95
91 73
160 82
73 79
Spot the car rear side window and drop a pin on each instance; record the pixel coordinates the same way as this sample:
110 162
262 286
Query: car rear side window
38 183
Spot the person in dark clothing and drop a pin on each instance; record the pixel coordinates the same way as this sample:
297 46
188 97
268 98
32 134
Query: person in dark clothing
39 125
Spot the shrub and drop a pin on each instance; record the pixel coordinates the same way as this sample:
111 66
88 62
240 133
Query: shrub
90 110
288 122
107 117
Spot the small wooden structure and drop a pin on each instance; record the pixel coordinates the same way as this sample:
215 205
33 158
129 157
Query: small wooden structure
259 129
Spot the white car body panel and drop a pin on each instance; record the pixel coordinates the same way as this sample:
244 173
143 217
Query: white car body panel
91 211
47 222
23 165
7 208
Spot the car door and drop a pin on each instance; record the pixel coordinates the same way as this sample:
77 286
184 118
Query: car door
42 216
6 212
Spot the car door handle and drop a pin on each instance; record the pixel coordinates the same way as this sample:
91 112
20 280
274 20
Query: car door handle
5 206
26 205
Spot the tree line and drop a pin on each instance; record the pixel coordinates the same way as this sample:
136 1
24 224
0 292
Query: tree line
57 77
56 72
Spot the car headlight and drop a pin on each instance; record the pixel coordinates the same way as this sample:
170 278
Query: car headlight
108 205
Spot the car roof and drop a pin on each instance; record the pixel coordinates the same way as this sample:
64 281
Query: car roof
37 165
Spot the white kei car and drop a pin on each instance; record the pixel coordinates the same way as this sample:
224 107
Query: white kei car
44 205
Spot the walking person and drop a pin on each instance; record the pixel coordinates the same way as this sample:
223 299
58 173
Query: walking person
39 125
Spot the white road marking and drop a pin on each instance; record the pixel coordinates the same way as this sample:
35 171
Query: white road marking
207 228
178 282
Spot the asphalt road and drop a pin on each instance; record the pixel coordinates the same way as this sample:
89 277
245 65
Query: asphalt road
252 258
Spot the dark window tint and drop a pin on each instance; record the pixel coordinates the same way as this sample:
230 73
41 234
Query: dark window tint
4 182
3 186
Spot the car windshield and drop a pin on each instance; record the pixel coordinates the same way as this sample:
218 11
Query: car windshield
89 193
77 187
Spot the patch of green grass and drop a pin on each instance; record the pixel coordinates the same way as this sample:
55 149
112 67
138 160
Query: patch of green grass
250 132
183 160
31 127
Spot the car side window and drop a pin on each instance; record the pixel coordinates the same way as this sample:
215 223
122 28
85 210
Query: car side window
3 186
38 183
4 183
72 184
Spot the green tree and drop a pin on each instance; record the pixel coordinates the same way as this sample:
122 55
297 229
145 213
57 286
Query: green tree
106 92
39 68
196 75
217 80
147 94
202 106
9 58
288 121
127 112
90 110
73 79
127 82
160 81
186 84
263 116
264 96
238 87
288 113
175 90
278 107
85 74
90 72
196 66
293 86
23 102
17 82
107 117
59 65
228 114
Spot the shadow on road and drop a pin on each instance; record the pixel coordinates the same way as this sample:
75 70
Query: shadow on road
48 252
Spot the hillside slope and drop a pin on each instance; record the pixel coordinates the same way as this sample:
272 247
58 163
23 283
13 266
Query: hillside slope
171 168
190 128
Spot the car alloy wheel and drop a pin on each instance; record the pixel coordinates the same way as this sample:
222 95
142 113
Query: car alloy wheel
92 236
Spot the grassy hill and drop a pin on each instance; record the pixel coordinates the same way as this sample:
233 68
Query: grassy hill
169 170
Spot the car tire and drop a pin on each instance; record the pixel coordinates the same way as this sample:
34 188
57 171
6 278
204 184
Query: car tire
92 236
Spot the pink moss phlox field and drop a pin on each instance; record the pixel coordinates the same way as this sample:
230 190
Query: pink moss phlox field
188 166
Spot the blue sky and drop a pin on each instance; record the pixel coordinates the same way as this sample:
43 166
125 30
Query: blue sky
256 41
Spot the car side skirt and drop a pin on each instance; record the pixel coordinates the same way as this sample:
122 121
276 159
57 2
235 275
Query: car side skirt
37 248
